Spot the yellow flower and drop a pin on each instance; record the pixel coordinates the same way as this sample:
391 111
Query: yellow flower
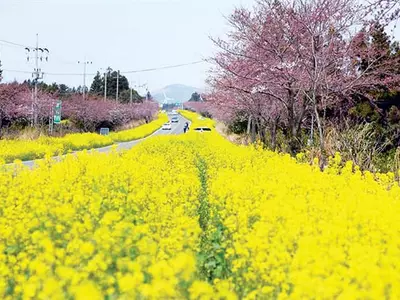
201 290
87 249
87 290
176 212
130 282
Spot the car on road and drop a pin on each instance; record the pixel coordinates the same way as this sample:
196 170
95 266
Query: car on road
202 129
167 126
175 120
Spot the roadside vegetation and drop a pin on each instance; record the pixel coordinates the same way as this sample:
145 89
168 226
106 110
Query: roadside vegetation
313 77
11 150
20 118
232 222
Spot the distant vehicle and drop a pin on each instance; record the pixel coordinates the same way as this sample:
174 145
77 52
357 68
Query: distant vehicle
167 126
174 112
175 120
202 129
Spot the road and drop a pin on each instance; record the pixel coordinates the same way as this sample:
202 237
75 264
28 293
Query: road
177 128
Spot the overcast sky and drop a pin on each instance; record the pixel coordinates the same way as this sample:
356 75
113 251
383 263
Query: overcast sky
123 34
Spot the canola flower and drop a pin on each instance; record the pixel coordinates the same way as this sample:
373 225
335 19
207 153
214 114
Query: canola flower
196 217
11 150
197 120
139 132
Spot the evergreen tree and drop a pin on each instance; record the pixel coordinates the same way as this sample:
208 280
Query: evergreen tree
195 97
63 90
97 87
123 84
125 96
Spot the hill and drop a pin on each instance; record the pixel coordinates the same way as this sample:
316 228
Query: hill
175 93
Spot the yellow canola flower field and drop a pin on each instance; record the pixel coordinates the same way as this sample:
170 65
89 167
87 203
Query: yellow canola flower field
11 150
197 120
139 132
196 217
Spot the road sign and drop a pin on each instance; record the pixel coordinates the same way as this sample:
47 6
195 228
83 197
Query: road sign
57 112
104 131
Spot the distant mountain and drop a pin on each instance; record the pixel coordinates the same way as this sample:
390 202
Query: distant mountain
175 93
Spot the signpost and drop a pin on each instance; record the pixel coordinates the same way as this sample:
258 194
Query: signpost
104 131
56 115
57 112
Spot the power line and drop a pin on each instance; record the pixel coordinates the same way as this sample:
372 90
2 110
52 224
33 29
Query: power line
17 71
163 68
122 72
68 74
93 74
131 72
126 72
15 44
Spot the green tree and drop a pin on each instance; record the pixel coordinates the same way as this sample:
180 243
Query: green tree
63 90
97 87
98 84
125 96
123 84
52 88
195 97
79 89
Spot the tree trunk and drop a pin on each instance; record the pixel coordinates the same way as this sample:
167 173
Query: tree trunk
263 135
321 137
293 125
248 130
273 134
253 131
261 130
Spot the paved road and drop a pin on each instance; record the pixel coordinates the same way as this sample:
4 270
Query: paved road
177 128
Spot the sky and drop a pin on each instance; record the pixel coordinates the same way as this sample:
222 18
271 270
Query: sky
126 35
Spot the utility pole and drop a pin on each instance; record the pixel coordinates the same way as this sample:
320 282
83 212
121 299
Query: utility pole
84 74
36 75
131 88
117 84
51 120
105 86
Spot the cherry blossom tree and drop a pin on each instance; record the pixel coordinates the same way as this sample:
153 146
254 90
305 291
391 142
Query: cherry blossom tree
16 107
300 57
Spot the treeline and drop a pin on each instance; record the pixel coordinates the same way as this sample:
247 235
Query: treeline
16 109
298 76
126 94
